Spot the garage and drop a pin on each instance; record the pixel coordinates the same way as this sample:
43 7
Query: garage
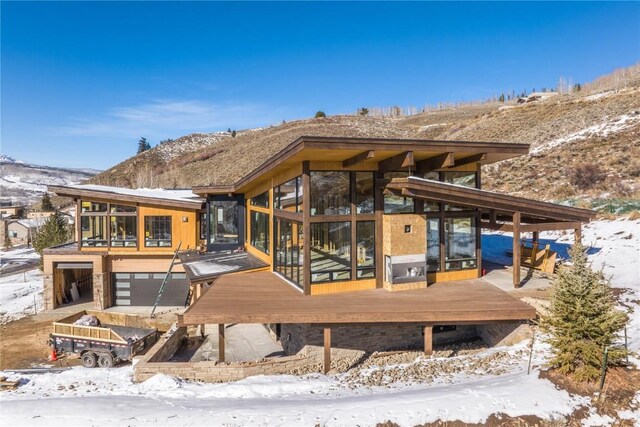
141 289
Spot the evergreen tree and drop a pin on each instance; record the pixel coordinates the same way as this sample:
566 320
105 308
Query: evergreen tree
501 99
320 114
143 145
45 204
363 111
233 133
7 241
54 231
582 319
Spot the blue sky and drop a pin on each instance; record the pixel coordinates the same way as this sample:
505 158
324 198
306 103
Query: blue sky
81 82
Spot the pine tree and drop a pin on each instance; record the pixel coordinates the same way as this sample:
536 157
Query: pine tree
233 133
143 145
7 241
363 111
45 204
320 114
54 231
582 319
501 99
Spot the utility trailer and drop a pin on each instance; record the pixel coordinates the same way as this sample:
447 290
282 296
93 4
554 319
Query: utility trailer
104 345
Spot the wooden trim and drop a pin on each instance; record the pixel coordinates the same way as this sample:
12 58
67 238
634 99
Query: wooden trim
399 161
358 158
354 242
471 159
428 339
379 230
306 226
109 196
516 249
293 216
440 161
327 350
221 342
549 226
496 227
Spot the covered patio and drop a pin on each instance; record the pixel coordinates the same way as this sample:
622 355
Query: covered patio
265 297
500 212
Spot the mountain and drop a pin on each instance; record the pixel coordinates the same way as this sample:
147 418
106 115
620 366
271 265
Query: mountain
24 183
585 144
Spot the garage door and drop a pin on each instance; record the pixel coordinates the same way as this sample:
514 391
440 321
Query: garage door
141 289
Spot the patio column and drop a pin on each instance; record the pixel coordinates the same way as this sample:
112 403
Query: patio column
516 249
577 234
428 339
327 350
221 342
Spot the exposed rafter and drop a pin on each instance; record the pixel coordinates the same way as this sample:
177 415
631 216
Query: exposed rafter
359 158
397 162
471 159
440 161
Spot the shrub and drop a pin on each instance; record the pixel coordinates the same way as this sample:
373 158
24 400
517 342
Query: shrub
320 114
586 175
582 319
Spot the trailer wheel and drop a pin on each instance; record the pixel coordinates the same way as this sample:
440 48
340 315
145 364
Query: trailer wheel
105 360
89 360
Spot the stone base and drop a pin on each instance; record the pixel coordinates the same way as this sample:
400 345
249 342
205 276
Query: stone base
499 334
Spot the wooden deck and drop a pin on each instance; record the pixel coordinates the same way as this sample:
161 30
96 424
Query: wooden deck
264 297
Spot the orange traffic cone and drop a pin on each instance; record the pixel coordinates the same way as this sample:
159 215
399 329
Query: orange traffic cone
54 355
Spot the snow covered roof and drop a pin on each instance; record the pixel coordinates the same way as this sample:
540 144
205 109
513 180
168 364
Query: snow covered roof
30 223
158 196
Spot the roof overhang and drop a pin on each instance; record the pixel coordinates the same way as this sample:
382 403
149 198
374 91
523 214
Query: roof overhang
78 193
533 210
345 149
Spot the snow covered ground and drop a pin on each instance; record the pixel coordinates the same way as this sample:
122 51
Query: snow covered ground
109 397
18 295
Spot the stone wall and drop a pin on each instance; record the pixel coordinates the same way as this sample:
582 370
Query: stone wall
102 295
47 292
499 334
365 338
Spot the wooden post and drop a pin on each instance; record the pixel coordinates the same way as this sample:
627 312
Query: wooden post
536 236
578 234
428 339
327 350
516 249
221 342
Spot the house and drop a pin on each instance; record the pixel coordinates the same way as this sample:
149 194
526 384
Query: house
9 211
368 243
20 231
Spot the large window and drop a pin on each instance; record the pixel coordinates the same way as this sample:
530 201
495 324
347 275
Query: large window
261 200
223 226
288 196
364 192
288 258
93 207
330 193
157 231
397 204
433 244
124 231
460 243
93 230
260 231
365 249
330 251
467 179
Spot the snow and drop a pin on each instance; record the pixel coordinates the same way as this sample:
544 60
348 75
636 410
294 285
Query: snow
18 293
153 193
614 248
109 397
604 129
21 253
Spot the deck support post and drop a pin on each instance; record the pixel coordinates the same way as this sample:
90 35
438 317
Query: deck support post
577 234
428 339
327 350
516 249
536 236
221 342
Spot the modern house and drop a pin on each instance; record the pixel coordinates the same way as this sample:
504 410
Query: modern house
332 241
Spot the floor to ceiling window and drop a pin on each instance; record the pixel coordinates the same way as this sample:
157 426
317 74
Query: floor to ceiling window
288 257
330 251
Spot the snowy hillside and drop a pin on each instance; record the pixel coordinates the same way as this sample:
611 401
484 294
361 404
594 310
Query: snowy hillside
24 183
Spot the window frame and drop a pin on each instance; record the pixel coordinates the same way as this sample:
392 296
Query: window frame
147 241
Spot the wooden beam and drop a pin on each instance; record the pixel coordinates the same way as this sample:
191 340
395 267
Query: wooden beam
549 226
496 227
471 159
577 233
440 161
536 236
221 342
306 226
359 158
397 162
327 350
516 249
428 339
